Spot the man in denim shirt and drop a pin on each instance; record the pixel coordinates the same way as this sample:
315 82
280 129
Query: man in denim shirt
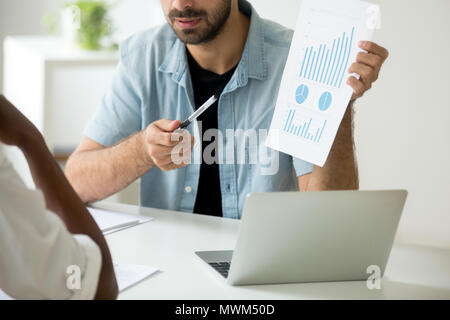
131 135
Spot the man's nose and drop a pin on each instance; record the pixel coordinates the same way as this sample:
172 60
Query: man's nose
182 4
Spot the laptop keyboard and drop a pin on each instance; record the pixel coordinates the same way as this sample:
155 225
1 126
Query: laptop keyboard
221 267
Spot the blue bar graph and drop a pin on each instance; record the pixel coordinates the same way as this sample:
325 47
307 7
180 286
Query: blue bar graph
303 130
328 63
321 61
339 59
315 67
312 63
304 60
334 61
348 58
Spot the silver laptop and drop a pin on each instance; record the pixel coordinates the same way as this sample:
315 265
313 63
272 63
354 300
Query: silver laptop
292 237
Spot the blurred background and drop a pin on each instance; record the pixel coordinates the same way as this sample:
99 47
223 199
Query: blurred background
402 129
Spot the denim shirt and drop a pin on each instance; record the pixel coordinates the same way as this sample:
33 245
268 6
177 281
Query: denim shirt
152 82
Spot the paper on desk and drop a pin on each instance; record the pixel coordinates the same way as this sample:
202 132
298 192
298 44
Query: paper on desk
4 296
130 274
313 94
127 275
109 221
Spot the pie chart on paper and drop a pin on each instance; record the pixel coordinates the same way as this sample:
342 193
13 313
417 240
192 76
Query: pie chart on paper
301 94
325 101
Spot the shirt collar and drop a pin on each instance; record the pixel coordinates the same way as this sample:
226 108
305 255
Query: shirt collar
252 65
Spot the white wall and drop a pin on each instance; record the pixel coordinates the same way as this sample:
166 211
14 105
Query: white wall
411 105
19 17
401 124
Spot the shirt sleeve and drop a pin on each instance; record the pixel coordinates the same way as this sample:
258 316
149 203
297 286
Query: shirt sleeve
36 248
92 262
119 115
302 167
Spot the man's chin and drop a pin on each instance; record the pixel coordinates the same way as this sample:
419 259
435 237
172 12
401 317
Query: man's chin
189 36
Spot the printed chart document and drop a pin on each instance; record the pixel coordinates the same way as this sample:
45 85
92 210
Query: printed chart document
313 94
109 221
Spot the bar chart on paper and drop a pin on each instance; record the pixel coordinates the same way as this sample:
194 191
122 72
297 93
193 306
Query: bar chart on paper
314 95
328 64
308 129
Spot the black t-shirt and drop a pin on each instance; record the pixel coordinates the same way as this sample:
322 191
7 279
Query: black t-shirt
206 83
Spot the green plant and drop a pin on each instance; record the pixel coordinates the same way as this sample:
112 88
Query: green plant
94 23
50 22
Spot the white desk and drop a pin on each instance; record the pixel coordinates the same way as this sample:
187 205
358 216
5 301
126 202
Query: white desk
170 240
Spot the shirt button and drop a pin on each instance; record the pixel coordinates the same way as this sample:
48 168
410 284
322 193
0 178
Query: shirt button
188 189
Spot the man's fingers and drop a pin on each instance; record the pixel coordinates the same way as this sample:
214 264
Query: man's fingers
163 161
178 155
167 125
369 59
368 74
159 151
157 137
358 86
183 137
170 139
372 47
168 150
168 164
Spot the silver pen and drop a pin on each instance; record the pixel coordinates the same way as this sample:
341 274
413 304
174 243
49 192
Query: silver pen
197 113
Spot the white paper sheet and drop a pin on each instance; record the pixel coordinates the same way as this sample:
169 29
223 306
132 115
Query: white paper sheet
130 274
4 296
109 221
313 95
127 275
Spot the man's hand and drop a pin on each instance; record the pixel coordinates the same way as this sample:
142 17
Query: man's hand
96 171
15 128
368 66
163 145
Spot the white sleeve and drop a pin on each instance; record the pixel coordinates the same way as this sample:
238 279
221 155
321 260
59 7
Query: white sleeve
36 249
89 278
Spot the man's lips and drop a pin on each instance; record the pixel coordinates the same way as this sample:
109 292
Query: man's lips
187 23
